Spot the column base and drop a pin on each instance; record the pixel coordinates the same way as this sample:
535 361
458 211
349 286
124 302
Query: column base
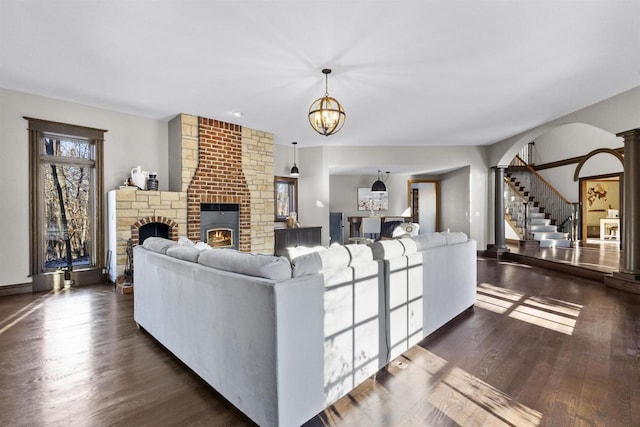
494 251
628 282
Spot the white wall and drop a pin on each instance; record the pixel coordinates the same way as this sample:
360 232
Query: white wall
455 200
130 141
313 190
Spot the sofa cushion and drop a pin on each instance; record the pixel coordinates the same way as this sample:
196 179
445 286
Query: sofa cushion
455 237
410 245
257 265
186 253
359 254
387 249
429 240
328 259
158 244
295 252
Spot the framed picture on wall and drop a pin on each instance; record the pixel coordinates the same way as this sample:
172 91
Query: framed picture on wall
368 201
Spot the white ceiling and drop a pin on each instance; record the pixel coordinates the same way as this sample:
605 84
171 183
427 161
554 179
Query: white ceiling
407 72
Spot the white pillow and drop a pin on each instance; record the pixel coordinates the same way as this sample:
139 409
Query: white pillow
408 228
185 241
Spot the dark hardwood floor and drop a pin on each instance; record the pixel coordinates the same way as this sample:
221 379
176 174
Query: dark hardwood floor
540 348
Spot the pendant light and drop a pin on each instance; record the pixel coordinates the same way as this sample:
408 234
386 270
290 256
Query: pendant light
294 170
326 115
378 186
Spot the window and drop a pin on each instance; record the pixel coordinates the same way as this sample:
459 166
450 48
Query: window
66 194
286 197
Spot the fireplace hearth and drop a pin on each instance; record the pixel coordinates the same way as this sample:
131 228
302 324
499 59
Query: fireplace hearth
219 224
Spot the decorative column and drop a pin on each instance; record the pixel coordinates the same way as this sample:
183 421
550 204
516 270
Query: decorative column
628 278
500 247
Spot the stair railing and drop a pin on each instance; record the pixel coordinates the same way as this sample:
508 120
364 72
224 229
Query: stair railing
526 235
554 203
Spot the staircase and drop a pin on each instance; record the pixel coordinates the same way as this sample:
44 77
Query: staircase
528 219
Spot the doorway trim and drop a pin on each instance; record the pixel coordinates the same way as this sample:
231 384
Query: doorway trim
582 199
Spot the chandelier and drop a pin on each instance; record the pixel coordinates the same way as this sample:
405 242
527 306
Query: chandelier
326 115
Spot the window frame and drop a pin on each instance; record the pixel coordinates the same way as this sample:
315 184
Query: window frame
43 279
293 196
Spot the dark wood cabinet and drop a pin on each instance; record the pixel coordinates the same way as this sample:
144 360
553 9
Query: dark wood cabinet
292 237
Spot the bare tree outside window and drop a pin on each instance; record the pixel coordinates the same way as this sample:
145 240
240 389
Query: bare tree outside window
67 189
67 205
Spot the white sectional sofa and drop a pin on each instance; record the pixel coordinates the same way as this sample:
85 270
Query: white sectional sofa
282 340
279 342
428 280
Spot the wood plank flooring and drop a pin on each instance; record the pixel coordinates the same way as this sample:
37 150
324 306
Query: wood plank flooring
540 348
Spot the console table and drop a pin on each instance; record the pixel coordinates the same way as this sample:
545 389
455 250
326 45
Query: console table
291 237
610 228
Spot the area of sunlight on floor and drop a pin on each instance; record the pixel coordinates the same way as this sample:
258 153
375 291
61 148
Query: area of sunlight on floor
467 400
550 313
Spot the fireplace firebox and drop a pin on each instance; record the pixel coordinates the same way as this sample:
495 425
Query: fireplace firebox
153 229
219 224
220 238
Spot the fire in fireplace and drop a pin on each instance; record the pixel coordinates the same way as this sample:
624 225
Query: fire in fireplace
220 238
219 224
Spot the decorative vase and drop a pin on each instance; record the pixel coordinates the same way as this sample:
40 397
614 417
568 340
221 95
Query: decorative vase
292 219
152 182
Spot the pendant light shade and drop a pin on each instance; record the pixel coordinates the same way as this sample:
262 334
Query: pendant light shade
294 170
326 115
378 186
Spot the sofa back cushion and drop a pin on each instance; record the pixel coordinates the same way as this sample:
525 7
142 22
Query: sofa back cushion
455 237
332 258
429 240
158 244
388 249
359 254
318 261
257 265
186 253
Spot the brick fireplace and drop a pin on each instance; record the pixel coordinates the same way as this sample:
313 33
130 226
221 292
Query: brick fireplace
216 162
210 162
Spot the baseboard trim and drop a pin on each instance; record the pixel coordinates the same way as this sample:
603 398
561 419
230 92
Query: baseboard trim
21 288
